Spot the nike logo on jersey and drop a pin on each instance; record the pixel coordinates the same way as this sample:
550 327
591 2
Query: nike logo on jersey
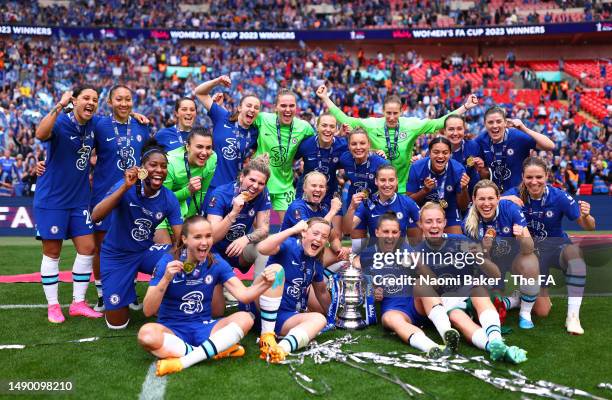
134 205
73 137
109 139
227 126
173 141
376 215
294 263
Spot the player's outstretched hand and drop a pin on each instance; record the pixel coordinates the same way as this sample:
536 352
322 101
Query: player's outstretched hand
585 208
301 226
225 81
173 268
66 98
131 176
40 168
322 92
269 275
471 101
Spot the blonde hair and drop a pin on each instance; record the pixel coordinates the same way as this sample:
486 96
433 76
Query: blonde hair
430 205
260 164
310 175
473 217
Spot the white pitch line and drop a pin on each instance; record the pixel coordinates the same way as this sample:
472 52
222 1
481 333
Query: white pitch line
153 387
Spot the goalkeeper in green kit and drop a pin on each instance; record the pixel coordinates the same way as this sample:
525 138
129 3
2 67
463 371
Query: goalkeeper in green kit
190 170
393 134
280 134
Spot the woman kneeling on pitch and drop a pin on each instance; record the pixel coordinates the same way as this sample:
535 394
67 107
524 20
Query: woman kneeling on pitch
138 203
283 307
405 310
501 227
180 293
544 207
487 336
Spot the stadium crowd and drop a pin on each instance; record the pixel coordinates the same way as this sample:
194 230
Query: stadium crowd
34 73
312 14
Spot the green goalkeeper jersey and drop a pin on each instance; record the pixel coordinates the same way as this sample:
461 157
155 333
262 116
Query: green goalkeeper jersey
281 144
397 143
178 180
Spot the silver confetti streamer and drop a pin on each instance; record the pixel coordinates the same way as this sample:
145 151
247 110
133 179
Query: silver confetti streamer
478 367
83 340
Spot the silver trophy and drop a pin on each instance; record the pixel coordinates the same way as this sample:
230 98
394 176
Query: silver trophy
351 296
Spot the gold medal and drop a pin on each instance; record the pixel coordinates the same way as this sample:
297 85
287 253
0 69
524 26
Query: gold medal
366 193
188 267
490 233
142 173
470 161
246 195
443 203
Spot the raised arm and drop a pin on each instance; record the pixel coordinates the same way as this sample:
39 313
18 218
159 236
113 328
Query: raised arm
271 245
202 92
586 220
45 127
429 126
247 295
542 142
155 294
106 206
341 117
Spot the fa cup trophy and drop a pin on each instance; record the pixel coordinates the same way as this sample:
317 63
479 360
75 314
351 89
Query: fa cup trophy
351 296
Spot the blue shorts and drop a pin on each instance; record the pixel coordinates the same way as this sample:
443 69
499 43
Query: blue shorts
53 224
453 216
193 333
405 305
549 255
118 271
281 316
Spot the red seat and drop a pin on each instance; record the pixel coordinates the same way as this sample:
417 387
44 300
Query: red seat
585 189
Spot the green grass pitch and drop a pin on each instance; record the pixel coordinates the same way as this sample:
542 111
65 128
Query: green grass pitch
115 368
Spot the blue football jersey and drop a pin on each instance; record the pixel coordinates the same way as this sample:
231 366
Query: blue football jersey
468 148
300 210
506 216
505 159
545 216
300 271
170 138
220 204
232 143
362 175
135 218
403 206
323 160
65 183
188 297
448 182
118 147
443 261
